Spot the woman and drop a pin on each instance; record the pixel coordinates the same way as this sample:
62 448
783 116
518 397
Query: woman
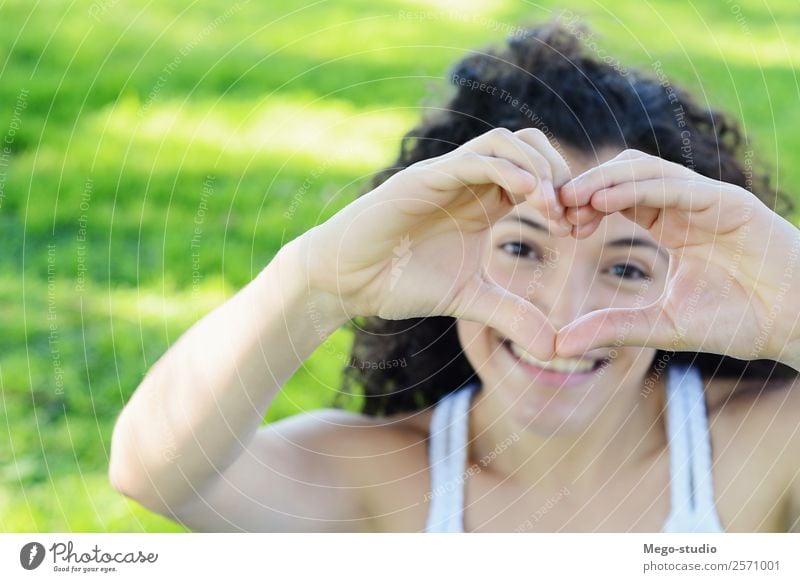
560 258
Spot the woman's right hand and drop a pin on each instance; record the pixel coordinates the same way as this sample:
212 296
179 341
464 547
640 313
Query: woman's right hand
415 246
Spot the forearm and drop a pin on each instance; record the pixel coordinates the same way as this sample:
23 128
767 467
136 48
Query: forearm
201 403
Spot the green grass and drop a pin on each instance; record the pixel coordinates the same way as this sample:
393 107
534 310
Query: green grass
123 117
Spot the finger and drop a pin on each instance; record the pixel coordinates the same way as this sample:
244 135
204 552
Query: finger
472 169
642 215
512 316
503 143
540 142
680 193
558 225
579 190
581 214
543 199
586 229
646 326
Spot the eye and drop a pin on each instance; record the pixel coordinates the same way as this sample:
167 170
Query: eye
628 271
519 249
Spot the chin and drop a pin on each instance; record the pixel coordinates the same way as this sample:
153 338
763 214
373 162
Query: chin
559 397
554 419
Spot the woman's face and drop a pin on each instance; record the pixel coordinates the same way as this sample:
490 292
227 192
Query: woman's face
619 265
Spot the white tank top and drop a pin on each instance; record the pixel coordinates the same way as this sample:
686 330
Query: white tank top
692 507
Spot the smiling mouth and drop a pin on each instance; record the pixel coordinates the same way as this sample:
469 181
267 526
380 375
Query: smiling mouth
566 367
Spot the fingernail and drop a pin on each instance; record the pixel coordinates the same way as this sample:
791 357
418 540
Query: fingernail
549 194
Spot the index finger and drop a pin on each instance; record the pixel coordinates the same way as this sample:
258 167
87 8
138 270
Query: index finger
629 166
537 139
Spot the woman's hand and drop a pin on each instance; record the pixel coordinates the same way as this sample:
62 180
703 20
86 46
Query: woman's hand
732 286
416 245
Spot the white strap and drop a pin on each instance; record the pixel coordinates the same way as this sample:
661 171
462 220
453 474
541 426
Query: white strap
692 491
448 456
679 444
437 452
702 474
459 434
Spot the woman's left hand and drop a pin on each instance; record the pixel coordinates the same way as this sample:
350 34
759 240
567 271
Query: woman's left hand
733 285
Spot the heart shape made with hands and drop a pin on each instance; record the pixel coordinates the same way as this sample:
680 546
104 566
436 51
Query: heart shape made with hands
712 290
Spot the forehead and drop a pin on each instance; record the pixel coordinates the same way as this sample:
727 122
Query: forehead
613 226
579 161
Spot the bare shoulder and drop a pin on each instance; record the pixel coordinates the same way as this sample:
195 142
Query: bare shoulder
321 470
755 438
736 398
755 410
360 445
384 458
338 426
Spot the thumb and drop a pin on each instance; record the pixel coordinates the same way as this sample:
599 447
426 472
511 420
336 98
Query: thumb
647 326
512 316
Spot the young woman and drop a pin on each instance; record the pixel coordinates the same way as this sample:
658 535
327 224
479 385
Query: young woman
593 301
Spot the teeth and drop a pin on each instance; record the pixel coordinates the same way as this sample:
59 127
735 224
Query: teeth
564 365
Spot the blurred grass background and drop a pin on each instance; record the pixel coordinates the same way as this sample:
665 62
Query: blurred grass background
155 155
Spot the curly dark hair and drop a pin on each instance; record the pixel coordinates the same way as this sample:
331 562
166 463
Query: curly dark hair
545 77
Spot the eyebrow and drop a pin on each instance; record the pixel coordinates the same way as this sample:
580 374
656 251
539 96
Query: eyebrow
620 242
637 242
529 222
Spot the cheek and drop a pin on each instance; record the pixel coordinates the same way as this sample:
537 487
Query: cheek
469 334
608 295
631 362
520 276
473 339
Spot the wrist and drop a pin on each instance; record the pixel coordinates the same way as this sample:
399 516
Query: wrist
292 264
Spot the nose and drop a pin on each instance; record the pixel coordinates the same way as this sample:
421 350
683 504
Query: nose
563 297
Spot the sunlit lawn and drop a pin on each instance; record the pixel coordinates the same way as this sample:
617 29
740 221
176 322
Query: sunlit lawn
160 154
